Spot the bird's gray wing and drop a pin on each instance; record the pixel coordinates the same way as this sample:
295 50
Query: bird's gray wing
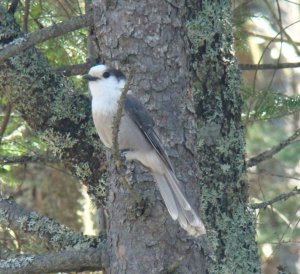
137 112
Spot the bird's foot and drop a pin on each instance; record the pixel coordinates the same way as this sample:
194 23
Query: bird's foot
123 154
143 208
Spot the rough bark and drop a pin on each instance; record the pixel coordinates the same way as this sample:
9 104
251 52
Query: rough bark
151 37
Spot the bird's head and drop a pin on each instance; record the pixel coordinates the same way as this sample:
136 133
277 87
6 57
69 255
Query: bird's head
105 80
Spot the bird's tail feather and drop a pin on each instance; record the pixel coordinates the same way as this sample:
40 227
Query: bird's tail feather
167 195
177 204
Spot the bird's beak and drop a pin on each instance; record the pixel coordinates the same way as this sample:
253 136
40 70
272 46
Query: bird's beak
90 77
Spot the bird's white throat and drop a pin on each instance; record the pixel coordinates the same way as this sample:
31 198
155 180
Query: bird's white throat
105 95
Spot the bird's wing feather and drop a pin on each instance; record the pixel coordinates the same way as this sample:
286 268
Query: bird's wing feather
145 123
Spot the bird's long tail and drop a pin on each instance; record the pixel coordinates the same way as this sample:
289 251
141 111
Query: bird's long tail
177 204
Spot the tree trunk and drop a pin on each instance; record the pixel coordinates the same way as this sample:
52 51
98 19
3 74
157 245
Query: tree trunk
150 36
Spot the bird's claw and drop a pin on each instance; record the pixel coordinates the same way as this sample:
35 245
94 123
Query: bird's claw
123 154
142 207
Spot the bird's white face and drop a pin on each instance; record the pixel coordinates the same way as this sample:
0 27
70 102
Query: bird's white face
105 81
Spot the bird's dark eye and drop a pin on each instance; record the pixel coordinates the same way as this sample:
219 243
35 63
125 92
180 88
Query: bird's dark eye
106 74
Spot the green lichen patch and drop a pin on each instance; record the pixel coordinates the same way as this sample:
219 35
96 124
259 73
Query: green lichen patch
16 263
221 148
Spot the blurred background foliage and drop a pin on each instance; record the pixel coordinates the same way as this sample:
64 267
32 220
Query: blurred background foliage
266 32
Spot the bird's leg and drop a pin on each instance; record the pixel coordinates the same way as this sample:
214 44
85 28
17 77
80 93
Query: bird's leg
123 154
143 208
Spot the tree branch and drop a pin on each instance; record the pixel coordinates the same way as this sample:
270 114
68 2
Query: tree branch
281 197
288 37
38 23
26 15
26 158
115 134
53 234
268 66
65 261
263 36
20 44
77 69
271 152
268 173
5 121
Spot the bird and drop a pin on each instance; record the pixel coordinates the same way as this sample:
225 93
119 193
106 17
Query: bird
138 140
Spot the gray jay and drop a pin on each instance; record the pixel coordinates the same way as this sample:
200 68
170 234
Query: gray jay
138 141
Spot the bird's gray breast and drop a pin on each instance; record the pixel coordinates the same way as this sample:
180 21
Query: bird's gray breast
130 136
103 123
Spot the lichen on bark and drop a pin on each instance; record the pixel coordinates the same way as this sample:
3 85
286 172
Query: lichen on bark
221 148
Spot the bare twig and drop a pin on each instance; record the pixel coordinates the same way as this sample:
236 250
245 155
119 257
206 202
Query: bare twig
77 69
288 113
281 242
116 152
263 36
260 59
92 53
271 152
62 6
5 121
53 234
65 261
267 173
271 10
39 24
18 45
26 15
268 66
260 103
281 197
